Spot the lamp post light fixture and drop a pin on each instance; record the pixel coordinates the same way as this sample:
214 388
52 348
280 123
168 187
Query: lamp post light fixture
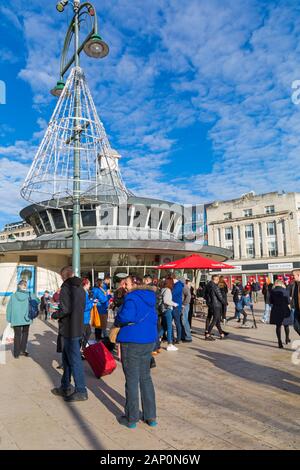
94 46
58 89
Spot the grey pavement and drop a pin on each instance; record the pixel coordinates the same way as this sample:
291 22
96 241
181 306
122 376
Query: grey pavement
240 393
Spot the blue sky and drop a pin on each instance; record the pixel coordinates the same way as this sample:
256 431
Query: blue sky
195 95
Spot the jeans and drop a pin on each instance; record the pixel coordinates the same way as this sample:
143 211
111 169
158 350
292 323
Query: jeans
20 340
72 364
86 335
136 359
238 309
186 331
176 314
267 312
167 325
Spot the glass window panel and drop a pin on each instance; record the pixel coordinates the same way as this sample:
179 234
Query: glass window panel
88 218
58 219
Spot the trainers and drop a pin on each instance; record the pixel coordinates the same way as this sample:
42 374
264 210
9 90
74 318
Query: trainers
26 354
60 392
124 422
171 347
151 422
76 396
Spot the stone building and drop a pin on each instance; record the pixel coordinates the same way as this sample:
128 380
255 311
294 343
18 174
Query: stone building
262 231
17 231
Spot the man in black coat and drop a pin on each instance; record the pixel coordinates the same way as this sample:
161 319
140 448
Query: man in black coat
70 316
215 301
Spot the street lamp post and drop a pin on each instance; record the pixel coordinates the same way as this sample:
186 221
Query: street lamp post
94 46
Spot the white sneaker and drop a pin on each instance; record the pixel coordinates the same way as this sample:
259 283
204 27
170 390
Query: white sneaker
171 347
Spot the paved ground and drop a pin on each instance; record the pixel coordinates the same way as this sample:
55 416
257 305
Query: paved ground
241 393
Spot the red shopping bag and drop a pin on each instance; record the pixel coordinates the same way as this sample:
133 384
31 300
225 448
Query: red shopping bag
100 359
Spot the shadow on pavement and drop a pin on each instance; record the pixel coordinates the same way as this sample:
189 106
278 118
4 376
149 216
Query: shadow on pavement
42 354
254 372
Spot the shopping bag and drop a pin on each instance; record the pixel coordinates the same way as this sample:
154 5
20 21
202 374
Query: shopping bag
95 317
8 335
100 359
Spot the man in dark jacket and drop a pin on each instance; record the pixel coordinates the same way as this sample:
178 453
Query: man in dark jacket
266 291
255 288
215 301
70 316
237 293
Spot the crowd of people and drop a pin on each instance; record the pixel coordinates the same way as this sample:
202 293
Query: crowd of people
146 312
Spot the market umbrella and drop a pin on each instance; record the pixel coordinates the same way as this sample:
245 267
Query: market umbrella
195 262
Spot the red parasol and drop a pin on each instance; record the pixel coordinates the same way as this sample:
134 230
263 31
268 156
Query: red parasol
195 262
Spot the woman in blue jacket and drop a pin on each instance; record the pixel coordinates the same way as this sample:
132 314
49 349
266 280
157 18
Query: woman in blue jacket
101 295
138 321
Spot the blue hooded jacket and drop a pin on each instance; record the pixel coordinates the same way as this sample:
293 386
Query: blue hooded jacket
102 304
138 308
177 293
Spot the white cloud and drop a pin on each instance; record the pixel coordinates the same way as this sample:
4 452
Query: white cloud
228 64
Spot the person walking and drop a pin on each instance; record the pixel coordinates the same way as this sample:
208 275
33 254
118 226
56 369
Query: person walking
166 305
186 330
17 311
177 297
294 291
279 299
255 288
137 319
70 314
237 294
266 291
191 310
215 301
224 290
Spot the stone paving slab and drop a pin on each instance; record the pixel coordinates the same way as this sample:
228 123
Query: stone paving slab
242 393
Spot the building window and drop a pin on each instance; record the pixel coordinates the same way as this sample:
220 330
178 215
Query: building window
219 236
28 233
271 228
272 247
260 239
249 231
227 215
58 219
247 212
228 233
269 209
250 251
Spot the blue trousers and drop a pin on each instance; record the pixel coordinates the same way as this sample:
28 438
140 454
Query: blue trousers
72 364
136 358
176 313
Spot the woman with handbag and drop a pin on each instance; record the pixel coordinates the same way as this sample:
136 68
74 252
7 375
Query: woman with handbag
101 295
280 311
137 319
17 314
